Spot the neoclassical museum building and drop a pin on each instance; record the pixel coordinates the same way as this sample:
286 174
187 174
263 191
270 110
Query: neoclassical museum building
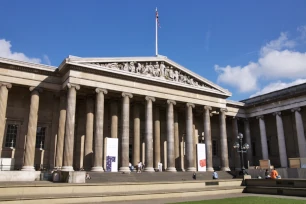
59 117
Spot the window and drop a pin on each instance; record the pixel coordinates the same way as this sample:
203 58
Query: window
40 137
214 147
11 135
253 149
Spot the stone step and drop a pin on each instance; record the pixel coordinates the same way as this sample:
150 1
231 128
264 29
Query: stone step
119 196
152 177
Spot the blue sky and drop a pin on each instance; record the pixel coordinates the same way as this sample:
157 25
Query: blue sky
248 47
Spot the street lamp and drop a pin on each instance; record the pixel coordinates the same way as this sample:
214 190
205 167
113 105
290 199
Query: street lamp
241 149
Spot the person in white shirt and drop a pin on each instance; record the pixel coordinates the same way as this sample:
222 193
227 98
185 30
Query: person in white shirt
160 167
139 167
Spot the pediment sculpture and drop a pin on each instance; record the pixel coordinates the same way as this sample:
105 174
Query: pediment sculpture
159 70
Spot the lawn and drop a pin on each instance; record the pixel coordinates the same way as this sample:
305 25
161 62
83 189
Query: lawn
249 200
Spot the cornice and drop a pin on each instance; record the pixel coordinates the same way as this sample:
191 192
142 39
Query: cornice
30 69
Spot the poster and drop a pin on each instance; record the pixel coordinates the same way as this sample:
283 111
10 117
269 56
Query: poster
201 157
111 154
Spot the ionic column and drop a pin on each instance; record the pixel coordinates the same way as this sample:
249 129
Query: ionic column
69 127
300 131
247 133
189 138
223 140
157 157
3 104
125 132
170 137
149 134
114 119
176 140
61 131
281 140
136 145
236 155
88 150
99 121
263 137
207 135
32 128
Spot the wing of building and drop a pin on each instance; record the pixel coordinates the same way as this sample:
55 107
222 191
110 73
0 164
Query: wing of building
60 117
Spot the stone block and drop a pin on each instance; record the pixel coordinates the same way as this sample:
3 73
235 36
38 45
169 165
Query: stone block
71 176
19 175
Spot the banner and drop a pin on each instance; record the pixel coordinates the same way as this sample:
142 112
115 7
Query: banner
111 153
201 157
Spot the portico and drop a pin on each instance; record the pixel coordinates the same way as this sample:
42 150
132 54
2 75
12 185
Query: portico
154 106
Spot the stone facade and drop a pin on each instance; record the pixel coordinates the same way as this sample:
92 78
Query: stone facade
59 116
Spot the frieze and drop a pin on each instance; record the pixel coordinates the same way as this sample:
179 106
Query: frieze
160 70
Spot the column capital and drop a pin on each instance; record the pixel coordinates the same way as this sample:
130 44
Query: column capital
76 86
260 117
150 98
8 85
98 90
171 101
223 110
208 108
298 109
190 104
277 113
35 88
124 94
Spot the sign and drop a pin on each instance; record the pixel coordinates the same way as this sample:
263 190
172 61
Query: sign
7 164
111 153
201 157
264 164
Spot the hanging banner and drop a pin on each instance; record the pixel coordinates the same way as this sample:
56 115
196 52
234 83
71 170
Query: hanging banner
111 154
201 157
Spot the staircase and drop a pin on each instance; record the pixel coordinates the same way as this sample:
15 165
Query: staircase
97 177
109 187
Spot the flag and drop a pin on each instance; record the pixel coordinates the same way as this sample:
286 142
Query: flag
157 20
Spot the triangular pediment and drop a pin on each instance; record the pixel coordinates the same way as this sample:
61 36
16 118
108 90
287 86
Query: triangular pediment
159 69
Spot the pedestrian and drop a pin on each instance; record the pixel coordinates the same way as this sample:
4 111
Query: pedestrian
87 177
215 175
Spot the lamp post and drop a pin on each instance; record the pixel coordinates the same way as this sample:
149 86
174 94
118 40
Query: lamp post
241 149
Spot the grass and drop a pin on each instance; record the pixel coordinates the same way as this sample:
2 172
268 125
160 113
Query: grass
249 200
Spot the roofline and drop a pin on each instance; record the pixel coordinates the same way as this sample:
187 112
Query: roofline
28 64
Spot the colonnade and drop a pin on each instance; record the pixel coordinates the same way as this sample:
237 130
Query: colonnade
95 126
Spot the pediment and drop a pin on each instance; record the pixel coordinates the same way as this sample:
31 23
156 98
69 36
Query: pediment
159 69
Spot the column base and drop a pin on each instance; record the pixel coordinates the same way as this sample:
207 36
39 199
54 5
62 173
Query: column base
67 168
149 169
171 169
209 169
124 169
28 168
191 169
97 168
225 169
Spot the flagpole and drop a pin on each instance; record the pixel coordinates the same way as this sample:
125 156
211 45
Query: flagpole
156 38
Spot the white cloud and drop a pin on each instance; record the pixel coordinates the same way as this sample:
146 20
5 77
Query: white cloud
277 61
6 52
302 30
278 44
242 78
278 86
47 60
